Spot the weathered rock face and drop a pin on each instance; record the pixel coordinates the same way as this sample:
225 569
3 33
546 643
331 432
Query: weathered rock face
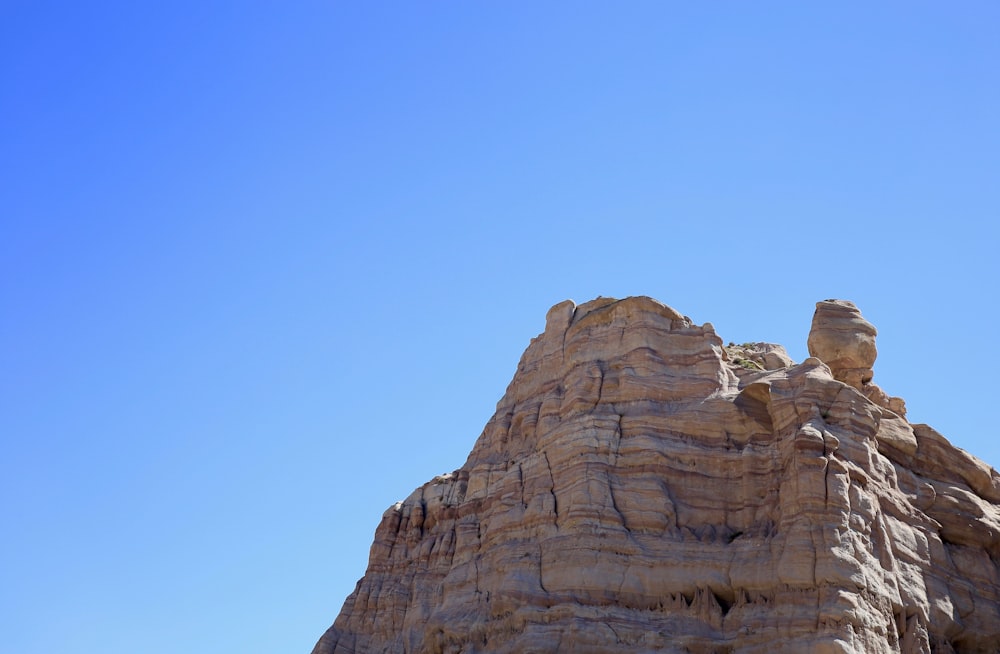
641 487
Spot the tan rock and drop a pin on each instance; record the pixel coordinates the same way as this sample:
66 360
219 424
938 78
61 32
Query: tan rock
843 340
638 490
874 393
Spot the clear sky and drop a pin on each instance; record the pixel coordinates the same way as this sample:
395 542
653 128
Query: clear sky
267 267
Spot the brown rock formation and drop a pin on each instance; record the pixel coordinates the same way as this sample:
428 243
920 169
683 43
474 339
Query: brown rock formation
643 488
843 340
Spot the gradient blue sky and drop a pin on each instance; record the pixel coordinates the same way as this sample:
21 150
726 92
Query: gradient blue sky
267 267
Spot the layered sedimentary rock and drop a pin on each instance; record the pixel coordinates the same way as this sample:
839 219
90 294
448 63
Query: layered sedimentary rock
643 487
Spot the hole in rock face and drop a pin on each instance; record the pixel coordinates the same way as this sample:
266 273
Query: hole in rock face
753 401
725 603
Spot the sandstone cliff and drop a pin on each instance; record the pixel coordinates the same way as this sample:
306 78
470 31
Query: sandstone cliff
643 487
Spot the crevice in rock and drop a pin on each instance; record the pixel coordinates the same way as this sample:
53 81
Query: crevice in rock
541 583
614 502
520 483
618 439
600 384
552 490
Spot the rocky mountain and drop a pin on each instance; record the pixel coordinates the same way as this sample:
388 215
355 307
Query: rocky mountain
644 487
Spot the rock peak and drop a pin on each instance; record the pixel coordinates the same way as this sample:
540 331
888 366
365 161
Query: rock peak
642 487
843 340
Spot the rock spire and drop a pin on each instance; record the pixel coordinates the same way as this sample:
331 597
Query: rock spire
844 341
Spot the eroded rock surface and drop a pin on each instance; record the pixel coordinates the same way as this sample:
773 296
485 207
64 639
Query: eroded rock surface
641 487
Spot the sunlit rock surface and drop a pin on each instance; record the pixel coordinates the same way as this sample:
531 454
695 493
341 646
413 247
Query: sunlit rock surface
643 487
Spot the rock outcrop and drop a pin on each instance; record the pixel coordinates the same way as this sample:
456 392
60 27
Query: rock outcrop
643 487
844 341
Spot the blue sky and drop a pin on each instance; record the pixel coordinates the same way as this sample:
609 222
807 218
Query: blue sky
265 269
